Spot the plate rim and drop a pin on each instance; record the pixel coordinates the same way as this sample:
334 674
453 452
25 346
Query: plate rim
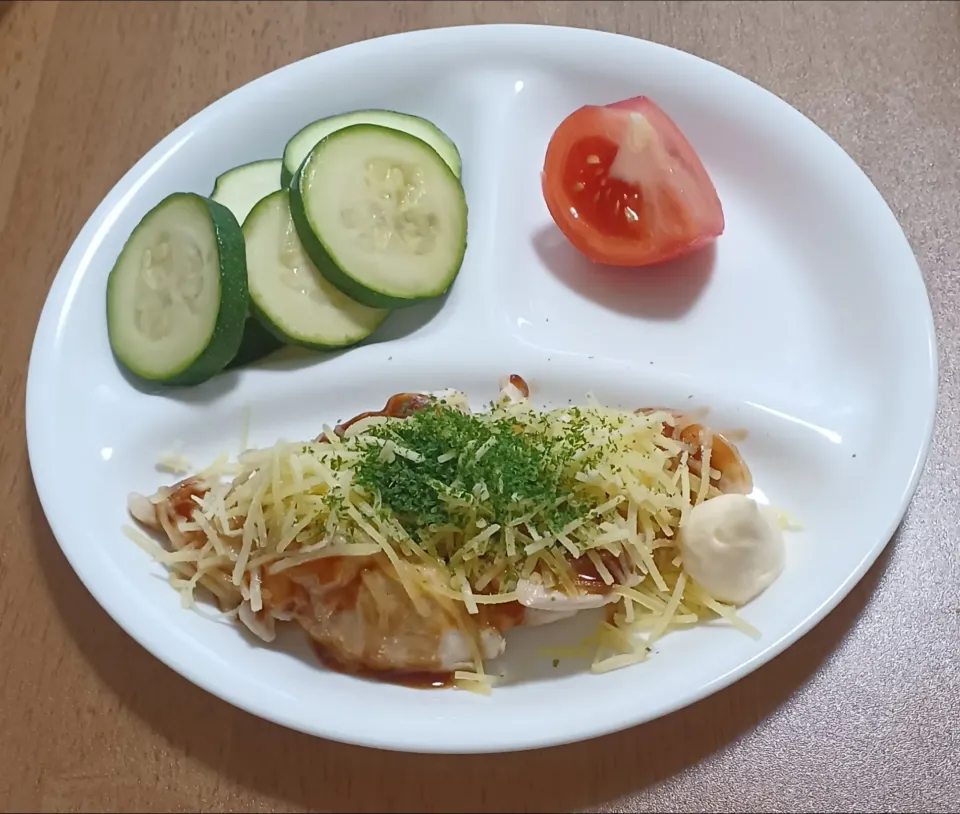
71 272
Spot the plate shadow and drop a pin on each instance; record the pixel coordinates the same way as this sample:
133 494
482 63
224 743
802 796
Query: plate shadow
665 291
399 325
313 773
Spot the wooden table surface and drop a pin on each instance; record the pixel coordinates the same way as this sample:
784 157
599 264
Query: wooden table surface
862 714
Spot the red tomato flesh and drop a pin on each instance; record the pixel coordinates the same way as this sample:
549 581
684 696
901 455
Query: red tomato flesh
626 188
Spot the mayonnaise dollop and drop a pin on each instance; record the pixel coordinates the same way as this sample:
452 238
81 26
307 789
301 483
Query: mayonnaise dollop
733 547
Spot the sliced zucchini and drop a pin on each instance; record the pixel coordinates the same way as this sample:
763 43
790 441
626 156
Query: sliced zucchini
240 188
177 295
306 139
381 215
288 295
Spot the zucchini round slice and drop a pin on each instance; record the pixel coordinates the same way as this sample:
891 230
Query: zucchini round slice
177 296
240 188
289 297
308 137
381 215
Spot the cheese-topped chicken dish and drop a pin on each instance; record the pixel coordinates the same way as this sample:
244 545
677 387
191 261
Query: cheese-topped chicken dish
407 542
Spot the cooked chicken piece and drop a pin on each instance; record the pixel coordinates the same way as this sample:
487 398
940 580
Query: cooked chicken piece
357 609
177 501
725 458
546 604
359 613
142 509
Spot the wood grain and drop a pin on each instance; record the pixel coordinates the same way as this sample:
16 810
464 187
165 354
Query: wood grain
862 714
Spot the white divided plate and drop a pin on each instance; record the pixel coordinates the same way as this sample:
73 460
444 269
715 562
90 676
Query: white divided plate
808 325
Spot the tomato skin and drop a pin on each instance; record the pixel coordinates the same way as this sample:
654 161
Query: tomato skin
626 188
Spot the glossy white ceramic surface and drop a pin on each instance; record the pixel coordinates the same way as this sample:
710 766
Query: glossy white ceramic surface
807 326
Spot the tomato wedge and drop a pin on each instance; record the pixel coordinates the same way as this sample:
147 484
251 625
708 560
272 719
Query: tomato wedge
626 188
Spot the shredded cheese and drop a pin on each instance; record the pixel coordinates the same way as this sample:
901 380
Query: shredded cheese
174 462
479 683
295 503
670 610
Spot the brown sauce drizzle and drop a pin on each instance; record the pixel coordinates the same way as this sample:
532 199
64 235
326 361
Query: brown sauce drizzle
586 576
181 498
418 680
502 616
520 384
402 405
